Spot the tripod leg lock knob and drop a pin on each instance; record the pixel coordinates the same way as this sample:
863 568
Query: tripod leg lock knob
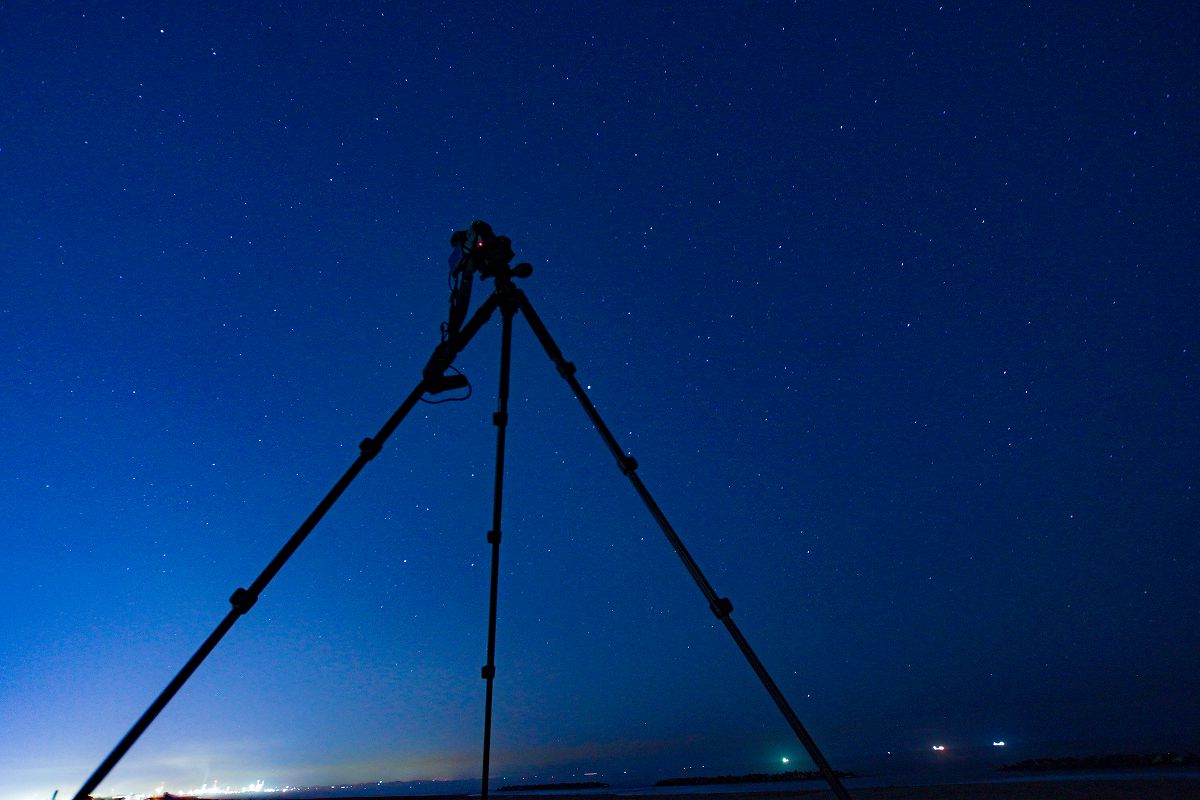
500 419
722 607
242 600
627 464
566 369
488 672
493 537
370 447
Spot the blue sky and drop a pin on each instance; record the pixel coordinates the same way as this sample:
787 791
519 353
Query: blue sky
896 306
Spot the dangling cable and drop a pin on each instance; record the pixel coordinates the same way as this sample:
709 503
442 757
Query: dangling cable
466 396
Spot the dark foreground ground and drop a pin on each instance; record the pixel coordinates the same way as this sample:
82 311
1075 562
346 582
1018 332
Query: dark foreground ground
1166 788
1134 789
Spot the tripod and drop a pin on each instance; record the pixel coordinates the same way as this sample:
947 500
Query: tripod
480 251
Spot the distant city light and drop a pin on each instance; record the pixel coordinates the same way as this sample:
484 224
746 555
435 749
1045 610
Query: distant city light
785 759
939 747
258 787
998 744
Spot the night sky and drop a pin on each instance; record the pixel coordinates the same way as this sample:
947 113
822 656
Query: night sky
896 305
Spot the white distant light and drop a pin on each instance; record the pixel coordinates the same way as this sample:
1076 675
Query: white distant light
998 744
939 747
785 759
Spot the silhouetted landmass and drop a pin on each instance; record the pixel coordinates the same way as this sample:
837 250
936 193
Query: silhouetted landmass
1111 761
1176 788
754 777
541 787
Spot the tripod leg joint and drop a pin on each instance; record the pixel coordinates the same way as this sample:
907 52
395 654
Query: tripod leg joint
488 672
565 368
500 419
721 607
370 447
627 464
493 537
242 600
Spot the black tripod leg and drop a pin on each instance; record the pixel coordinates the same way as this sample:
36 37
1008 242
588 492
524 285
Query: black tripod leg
720 606
243 599
500 418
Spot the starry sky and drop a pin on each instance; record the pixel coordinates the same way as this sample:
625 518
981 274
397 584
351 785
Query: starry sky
896 305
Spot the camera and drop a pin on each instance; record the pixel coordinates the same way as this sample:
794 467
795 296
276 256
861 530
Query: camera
479 249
